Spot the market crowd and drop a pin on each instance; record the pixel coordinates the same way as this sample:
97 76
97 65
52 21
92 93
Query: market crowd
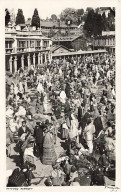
71 99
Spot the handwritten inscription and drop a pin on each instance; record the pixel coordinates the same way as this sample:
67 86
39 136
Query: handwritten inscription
113 188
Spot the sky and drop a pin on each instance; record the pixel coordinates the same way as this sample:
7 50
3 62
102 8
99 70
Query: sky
45 7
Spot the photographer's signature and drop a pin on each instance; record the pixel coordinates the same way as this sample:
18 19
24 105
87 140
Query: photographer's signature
113 188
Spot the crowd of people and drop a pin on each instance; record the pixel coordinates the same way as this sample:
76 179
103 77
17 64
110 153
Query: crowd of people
71 99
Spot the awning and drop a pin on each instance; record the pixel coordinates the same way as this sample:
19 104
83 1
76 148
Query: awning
80 53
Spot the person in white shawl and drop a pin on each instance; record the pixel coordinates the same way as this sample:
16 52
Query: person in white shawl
73 133
21 111
9 112
16 90
63 97
21 87
40 88
60 72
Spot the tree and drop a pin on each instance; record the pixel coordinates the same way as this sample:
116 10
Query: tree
88 9
104 22
36 19
89 23
97 10
69 14
97 30
93 24
7 17
54 17
80 13
20 17
111 21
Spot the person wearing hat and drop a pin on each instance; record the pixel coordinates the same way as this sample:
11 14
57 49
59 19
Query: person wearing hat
38 134
23 133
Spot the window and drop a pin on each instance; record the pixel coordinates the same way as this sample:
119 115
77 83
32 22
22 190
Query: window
31 43
6 44
27 44
38 43
10 44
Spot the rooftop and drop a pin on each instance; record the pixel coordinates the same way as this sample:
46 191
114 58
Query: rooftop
67 38
55 47
55 24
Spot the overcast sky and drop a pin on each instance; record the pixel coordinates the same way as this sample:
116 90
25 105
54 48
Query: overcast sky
45 7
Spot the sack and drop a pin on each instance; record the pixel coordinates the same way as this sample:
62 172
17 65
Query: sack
17 179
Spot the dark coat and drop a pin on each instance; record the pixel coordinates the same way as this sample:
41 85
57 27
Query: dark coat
38 134
21 131
67 90
79 113
98 125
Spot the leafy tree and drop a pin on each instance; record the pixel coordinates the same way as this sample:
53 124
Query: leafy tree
7 17
20 17
54 17
97 10
69 14
88 9
36 19
80 13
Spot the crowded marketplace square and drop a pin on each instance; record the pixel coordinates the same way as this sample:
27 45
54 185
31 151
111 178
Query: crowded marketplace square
60 98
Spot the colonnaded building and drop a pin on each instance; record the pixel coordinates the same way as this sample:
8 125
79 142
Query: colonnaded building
25 47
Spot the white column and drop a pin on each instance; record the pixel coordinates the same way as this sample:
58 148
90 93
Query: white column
50 57
41 58
38 58
42 44
28 57
10 64
45 57
22 62
78 59
34 60
15 64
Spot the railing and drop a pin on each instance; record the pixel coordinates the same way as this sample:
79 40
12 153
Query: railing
38 48
23 49
9 50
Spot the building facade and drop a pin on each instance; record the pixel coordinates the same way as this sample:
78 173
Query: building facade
74 43
58 26
105 41
24 48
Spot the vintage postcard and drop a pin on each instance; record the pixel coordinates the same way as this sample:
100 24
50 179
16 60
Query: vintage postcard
60 100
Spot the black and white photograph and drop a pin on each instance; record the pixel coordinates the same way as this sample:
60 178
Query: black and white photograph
60 94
